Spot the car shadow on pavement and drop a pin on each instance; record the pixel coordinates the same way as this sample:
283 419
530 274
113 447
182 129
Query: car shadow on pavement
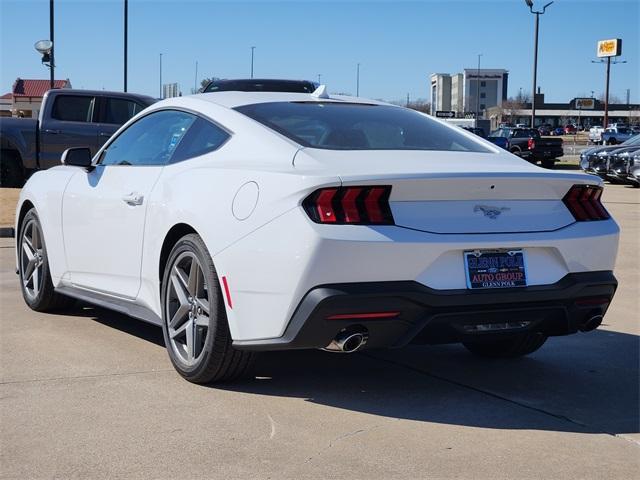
588 383
583 383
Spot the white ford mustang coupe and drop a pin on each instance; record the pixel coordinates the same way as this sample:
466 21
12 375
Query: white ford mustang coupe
247 221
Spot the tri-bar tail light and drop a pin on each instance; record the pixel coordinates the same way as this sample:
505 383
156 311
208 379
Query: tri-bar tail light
366 205
583 201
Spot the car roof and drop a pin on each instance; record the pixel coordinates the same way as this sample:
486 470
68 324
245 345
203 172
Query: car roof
233 99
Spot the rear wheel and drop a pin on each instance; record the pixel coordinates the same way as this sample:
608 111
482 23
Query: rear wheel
33 268
548 164
11 171
511 347
195 327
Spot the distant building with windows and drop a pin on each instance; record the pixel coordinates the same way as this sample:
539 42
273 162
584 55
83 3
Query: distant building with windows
25 97
170 90
459 92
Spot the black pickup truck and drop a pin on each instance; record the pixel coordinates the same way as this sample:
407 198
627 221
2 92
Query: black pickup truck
68 118
528 144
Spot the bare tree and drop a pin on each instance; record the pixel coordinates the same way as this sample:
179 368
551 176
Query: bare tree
510 109
613 99
205 81
420 104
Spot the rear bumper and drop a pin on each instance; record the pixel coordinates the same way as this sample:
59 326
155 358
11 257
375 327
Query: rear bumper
433 316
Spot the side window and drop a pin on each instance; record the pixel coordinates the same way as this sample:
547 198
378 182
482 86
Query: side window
203 137
73 108
151 140
119 110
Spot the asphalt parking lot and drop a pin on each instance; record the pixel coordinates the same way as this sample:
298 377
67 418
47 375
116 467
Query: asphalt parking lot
92 394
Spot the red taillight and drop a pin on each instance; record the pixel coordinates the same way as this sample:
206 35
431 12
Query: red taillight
531 144
350 205
583 201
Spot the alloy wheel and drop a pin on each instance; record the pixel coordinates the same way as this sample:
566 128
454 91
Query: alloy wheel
32 258
187 308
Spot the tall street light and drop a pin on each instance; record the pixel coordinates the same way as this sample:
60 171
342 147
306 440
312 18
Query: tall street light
126 40
160 76
478 91
51 61
358 80
252 49
535 57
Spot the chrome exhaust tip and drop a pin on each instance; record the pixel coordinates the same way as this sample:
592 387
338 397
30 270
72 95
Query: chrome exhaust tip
591 323
348 341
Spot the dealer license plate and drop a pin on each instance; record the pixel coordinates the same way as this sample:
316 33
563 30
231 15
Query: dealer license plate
495 269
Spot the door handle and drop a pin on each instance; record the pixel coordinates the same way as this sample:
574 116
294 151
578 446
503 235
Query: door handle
53 132
133 199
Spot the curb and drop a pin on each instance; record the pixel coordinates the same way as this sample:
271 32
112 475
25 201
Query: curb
7 232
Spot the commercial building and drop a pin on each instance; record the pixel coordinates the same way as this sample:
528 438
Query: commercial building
464 93
25 97
170 90
578 111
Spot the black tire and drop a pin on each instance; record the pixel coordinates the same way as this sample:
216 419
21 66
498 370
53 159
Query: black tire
11 170
510 347
612 141
218 361
46 299
548 164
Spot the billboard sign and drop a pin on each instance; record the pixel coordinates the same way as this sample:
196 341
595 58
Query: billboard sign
610 48
585 103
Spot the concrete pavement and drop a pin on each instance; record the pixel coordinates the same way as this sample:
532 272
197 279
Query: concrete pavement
92 394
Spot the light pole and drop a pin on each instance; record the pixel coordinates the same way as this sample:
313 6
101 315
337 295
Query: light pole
358 80
252 49
608 61
160 76
195 81
51 61
126 40
535 57
478 91
320 78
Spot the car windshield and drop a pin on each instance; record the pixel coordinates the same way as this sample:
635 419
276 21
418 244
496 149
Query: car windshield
354 126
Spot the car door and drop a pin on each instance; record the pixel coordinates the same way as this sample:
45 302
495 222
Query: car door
104 209
69 124
115 112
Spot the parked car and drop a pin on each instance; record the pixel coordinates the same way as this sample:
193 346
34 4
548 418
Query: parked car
544 130
616 135
570 129
633 174
557 131
243 221
68 118
499 141
620 163
528 144
589 157
261 85
595 134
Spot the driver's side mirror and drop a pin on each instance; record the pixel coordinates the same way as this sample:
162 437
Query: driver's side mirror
77 157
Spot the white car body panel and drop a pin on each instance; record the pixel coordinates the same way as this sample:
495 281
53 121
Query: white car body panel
274 254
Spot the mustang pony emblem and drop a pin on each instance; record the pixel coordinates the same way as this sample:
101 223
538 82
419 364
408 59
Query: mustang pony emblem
491 212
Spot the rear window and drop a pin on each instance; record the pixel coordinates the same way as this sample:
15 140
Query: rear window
352 126
73 108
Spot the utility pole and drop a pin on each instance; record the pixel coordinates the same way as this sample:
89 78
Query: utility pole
126 40
478 91
407 99
160 76
608 61
252 49
319 78
535 57
358 80
51 62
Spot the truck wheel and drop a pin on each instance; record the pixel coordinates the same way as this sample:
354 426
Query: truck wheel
511 347
548 164
612 141
11 171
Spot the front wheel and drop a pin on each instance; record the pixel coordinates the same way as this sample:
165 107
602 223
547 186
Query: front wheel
511 347
194 319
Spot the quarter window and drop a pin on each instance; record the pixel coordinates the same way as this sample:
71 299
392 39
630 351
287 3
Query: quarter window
73 108
203 137
118 110
151 140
